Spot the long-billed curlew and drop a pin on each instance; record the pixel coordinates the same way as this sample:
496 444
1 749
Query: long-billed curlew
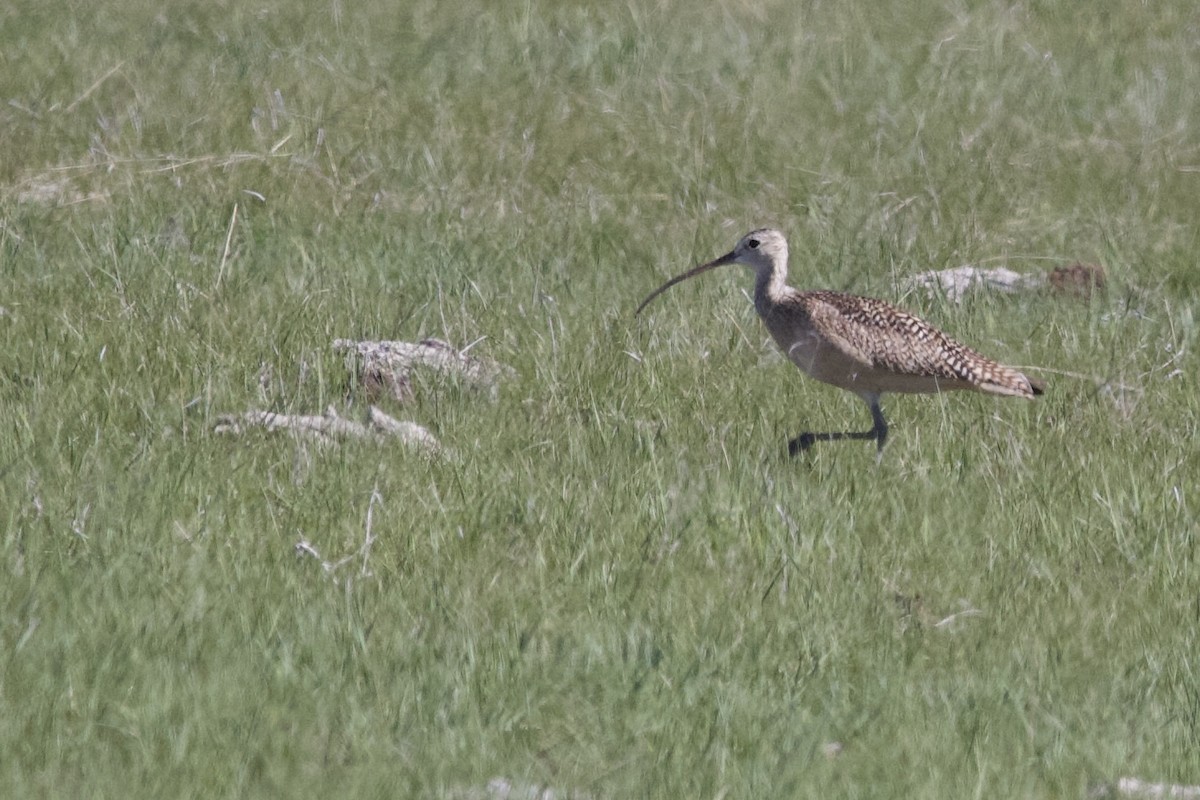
860 344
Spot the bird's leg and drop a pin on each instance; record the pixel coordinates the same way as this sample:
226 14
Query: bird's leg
879 432
880 429
806 440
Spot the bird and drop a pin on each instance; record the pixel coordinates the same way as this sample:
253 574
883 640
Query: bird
860 344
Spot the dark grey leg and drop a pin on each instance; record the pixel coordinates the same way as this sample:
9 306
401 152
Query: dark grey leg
879 433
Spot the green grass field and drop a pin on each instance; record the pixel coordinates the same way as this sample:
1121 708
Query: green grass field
618 585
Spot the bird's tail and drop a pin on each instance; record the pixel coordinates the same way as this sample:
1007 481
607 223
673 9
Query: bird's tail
1010 382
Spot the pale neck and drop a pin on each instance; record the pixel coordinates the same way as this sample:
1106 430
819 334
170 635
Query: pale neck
770 284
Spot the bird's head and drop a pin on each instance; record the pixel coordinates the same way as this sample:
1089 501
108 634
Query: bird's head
763 250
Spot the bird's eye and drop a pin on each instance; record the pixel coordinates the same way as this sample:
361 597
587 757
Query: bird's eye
752 244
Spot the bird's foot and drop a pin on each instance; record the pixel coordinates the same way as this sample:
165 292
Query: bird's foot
801 444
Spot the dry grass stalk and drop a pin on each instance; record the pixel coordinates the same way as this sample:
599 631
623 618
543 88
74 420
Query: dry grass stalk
386 366
1138 789
329 427
1078 279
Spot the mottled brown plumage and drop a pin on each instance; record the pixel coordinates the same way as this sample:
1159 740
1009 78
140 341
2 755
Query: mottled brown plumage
860 344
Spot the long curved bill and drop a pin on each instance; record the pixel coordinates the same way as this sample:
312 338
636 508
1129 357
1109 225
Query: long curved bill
728 258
